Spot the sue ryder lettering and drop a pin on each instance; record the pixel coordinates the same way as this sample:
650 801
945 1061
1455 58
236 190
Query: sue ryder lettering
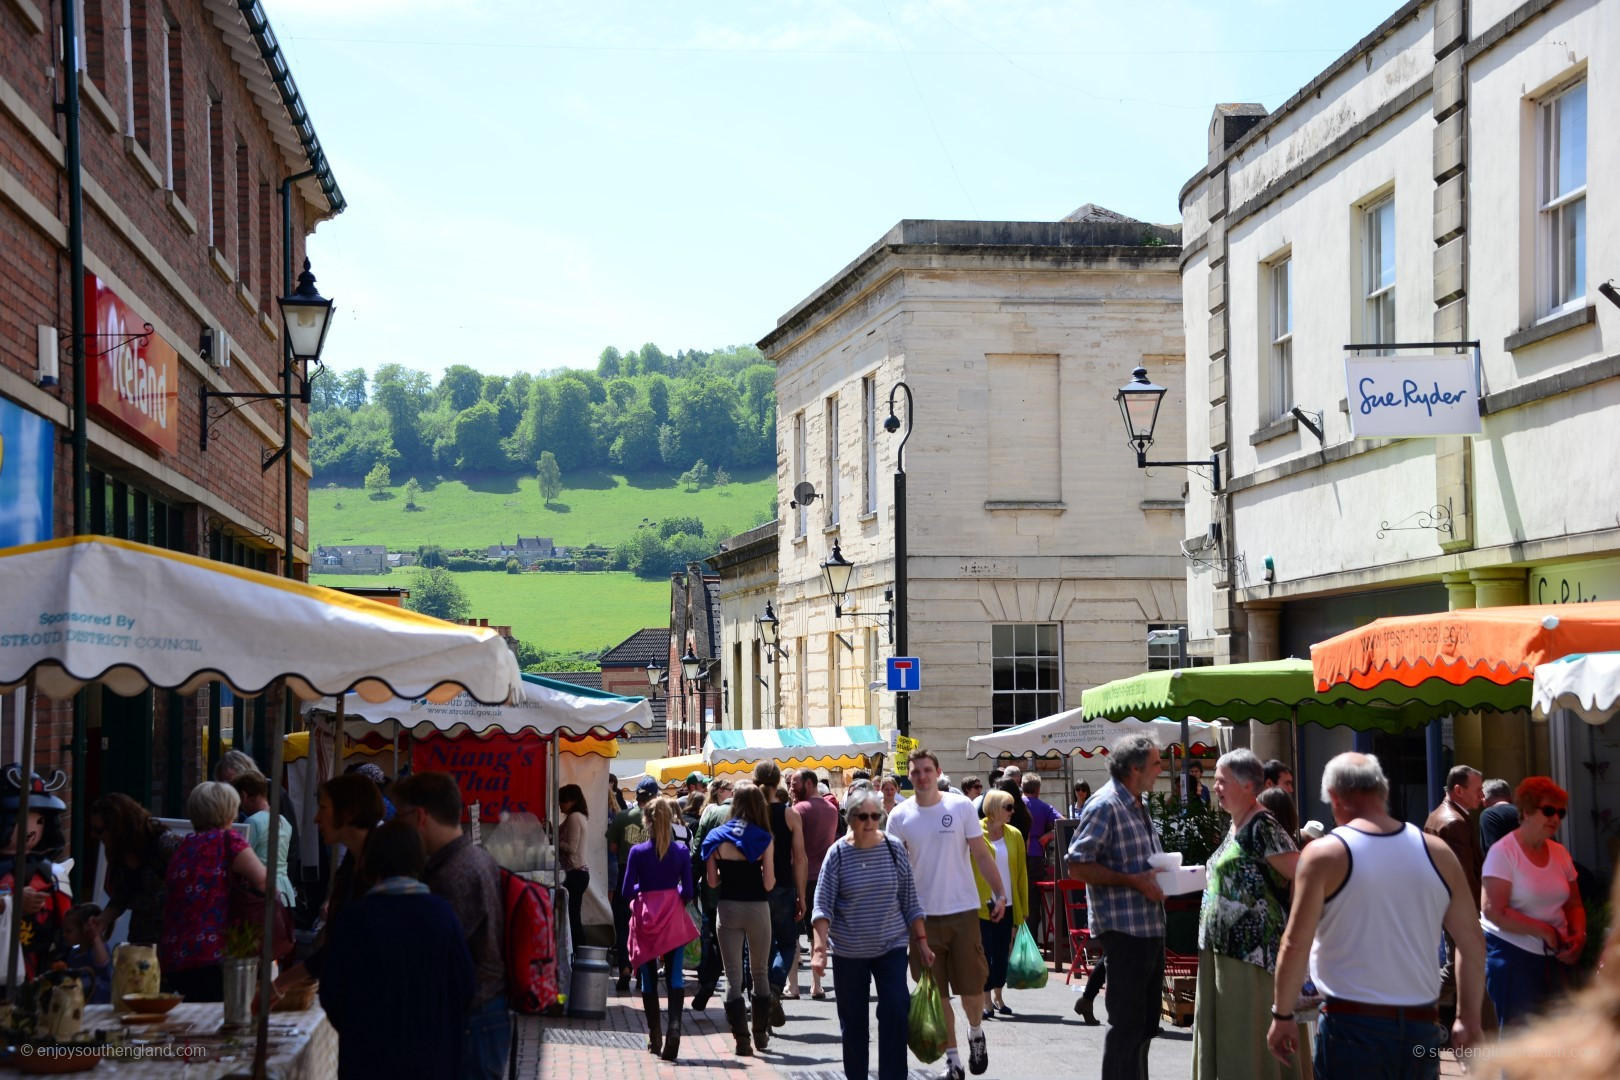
1409 396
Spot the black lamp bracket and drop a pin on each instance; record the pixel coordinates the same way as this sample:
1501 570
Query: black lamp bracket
144 337
1213 463
885 620
1437 517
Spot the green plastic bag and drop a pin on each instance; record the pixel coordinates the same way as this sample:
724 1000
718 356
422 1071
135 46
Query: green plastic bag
694 948
926 1033
1026 968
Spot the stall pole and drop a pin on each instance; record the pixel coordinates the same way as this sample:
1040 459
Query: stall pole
19 862
272 895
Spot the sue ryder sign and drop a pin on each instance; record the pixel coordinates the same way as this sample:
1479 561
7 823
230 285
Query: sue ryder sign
134 385
1412 396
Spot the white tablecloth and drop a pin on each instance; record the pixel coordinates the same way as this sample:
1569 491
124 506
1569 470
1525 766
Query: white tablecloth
303 1046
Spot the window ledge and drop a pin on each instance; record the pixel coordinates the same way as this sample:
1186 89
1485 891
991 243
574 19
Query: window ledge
996 506
870 515
268 325
830 530
249 301
1163 504
143 162
801 539
98 102
221 265
1274 430
31 16
1550 327
181 214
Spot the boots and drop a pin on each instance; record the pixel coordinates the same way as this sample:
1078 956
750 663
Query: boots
737 1017
762 1020
701 998
672 1037
778 1017
655 1026
1082 1009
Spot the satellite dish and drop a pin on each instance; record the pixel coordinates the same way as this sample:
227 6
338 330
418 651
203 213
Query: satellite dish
804 493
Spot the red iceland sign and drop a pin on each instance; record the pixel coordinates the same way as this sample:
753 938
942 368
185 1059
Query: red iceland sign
135 385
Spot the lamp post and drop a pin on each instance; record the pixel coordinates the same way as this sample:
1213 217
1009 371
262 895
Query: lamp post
1139 402
694 673
891 424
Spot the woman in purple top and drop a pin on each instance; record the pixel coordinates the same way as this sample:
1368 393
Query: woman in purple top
658 886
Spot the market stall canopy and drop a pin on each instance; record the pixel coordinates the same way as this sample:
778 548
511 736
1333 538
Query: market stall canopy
1458 656
1268 691
672 770
1068 732
547 707
797 748
1587 684
95 609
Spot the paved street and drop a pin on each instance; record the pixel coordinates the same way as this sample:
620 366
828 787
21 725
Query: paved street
1042 1039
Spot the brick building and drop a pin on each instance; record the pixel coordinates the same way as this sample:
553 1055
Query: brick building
189 124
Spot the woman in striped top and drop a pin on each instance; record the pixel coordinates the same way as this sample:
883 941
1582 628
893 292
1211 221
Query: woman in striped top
866 900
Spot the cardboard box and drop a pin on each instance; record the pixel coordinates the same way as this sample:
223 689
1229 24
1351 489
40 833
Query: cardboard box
1187 879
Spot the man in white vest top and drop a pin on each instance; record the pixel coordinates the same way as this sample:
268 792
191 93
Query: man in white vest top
1370 900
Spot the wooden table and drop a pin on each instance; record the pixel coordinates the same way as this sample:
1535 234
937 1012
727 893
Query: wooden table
303 1046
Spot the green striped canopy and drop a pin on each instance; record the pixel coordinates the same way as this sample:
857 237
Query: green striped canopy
1274 690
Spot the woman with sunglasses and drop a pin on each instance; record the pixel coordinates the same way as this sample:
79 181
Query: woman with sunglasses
1535 926
866 902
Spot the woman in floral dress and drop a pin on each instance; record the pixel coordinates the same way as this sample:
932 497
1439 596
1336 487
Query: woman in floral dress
1240 929
196 904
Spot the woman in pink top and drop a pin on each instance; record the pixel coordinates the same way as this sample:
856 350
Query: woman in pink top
658 886
196 902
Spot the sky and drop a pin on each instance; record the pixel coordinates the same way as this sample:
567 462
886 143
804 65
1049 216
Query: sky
532 180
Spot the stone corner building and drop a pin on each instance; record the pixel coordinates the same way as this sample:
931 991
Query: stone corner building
1038 554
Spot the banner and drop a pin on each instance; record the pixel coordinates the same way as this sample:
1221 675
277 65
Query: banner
503 773
27 470
1412 396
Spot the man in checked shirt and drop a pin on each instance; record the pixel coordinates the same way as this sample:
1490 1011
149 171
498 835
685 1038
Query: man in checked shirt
1124 904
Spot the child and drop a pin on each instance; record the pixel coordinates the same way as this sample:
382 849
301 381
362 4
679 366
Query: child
82 934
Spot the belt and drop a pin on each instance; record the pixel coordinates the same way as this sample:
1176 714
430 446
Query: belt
1421 1013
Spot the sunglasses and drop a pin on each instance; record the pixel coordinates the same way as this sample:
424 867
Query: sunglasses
866 817
1554 811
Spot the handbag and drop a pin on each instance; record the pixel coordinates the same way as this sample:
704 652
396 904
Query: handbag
246 905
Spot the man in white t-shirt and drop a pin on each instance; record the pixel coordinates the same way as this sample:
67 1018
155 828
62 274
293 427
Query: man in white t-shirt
941 832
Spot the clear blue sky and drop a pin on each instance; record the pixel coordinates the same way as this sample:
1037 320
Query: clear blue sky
530 180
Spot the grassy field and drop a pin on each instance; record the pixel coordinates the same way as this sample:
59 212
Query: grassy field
553 612
477 512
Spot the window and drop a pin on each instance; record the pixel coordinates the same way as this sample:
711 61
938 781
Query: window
1563 198
1026 673
801 514
137 75
755 705
93 40
831 494
174 109
265 248
835 681
244 218
1163 657
1025 424
216 173
1280 278
869 447
1378 273
874 673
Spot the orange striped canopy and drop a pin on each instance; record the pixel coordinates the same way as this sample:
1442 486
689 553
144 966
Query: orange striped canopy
1500 645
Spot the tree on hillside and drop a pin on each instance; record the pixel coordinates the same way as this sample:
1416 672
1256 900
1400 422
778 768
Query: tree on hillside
670 526
610 365
437 593
461 386
549 474
636 448
721 477
377 480
696 477
478 437
703 413
403 395
570 429
412 490
429 555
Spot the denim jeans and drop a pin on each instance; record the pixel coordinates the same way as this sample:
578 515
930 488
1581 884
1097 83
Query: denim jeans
852 982
486 1040
674 972
1376 1048
1135 984
1518 981
784 932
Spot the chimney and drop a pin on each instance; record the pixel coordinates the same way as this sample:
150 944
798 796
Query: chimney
1229 124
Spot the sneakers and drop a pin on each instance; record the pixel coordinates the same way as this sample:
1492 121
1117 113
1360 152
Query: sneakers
951 1072
978 1052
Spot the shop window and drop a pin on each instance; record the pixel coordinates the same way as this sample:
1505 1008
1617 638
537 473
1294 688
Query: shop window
1378 272
1026 669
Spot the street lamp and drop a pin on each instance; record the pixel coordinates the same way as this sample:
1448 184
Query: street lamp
1139 402
694 676
770 629
891 424
307 315
655 677
838 571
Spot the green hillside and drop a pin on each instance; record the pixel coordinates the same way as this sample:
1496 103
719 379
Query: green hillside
477 511
552 612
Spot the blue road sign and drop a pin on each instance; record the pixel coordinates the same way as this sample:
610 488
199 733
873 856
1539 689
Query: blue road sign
905 673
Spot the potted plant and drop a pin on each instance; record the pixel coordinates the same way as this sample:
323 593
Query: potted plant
243 942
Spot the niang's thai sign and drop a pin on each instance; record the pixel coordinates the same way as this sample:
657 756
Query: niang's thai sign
1412 396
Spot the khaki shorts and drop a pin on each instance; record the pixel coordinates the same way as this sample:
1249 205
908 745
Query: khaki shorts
959 963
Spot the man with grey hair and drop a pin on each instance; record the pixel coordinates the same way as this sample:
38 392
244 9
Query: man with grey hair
1370 901
1500 816
1124 904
